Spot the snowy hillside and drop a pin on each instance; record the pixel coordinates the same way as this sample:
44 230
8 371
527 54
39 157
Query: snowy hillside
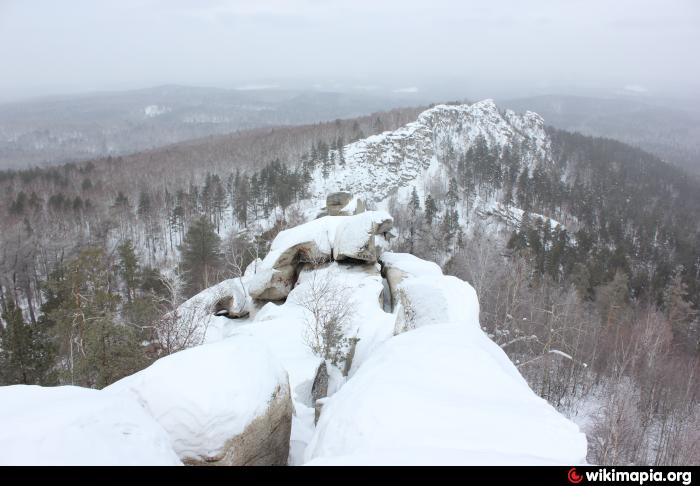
375 358
380 165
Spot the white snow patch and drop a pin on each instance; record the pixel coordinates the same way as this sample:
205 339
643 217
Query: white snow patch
69 425
207 395
442 394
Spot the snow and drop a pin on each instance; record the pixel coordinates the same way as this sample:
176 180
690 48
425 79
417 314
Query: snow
152 111
426 296
69 425
441 394
352 236
339 237
438 300
380 165
282 327
325 233
207 395
350 207
195 317
410 265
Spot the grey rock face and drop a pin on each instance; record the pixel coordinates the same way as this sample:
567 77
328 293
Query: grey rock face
264 442
319 389
336 201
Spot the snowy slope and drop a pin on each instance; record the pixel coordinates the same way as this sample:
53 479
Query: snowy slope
208 394
377 166
68 425
440 391
442 394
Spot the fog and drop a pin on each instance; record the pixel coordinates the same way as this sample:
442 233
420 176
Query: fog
424 48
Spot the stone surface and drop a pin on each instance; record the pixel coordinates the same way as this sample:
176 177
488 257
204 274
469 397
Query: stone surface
319 389
336 201
360 237
264 442
225 403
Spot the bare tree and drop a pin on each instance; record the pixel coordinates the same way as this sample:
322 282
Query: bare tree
180 327
329 311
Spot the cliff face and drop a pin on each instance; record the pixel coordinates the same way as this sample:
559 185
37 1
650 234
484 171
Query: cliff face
380 165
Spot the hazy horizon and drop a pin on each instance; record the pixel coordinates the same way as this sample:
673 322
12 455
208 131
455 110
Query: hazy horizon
435 49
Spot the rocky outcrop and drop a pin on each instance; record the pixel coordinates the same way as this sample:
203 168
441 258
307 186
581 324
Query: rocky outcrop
343 204
189 324
398 266
225 403
264 441
443 394
361 237
424 295
319 389
381 165
336 201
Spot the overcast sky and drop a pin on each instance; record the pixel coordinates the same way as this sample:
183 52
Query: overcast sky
64 46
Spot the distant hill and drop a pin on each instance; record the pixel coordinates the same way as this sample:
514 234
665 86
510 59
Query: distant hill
669 130
61 129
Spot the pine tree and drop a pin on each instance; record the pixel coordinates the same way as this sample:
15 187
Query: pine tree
414 203
452 193
242 199
430 209
680 311
128 268
201 256
26 351
95 348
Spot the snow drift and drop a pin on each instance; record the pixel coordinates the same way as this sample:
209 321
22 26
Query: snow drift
70 425
442 394
205 397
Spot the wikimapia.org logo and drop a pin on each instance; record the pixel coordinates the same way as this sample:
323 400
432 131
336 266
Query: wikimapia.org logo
639 477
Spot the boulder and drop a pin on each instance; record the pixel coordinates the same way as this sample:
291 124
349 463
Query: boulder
272 284
424 295
336 201
188 325
224 403
359 237
354 206
264 441
355 239
319 388
68 425
398 266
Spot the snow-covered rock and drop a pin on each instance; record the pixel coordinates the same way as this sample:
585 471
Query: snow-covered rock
283 327
252 268
380 165
441 394
197 319
422 295
226 403
330 237
69 425
336 202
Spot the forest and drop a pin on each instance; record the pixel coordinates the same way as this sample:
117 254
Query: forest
594 296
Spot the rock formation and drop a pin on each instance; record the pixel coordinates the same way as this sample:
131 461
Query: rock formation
359 237
225 403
